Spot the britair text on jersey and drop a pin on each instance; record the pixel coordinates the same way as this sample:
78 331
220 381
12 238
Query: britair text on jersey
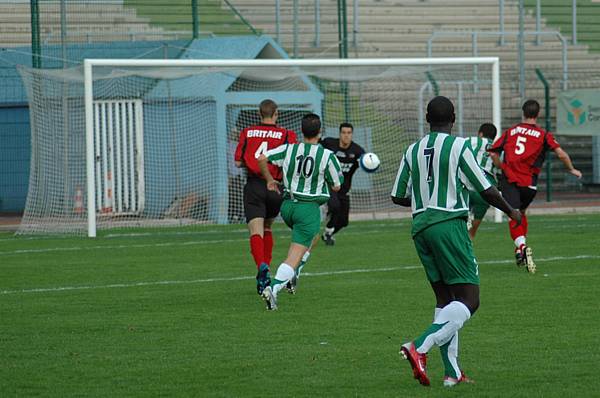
264 134
525 131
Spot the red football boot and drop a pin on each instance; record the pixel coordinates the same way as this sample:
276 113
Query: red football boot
417 361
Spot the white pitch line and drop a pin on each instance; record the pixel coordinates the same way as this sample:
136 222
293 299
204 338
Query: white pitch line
241 278
195 281
144 245
544 259
113 247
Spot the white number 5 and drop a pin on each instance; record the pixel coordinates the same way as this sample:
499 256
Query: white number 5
520 149
262 149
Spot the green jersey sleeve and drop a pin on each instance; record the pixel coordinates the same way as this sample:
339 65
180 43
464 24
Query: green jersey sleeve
470 173
333 171
277 155
402 186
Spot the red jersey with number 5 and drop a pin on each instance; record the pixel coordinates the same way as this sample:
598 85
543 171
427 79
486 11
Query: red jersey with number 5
524 146
257 140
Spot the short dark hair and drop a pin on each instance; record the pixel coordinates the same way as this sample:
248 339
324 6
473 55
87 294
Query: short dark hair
346 124
267 108
531 109
311 125
488 130
440 111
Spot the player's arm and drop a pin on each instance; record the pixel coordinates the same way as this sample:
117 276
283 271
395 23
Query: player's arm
238 157
493 197
566 159
275 156
474 179
401 191
333 173
496 149
495 156
264 170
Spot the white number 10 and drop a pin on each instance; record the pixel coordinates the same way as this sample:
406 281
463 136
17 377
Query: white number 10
520 149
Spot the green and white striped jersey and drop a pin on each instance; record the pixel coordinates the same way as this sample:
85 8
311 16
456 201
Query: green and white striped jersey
436 172
479 146
308 169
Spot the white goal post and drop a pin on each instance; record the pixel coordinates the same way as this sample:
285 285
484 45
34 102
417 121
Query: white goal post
144 143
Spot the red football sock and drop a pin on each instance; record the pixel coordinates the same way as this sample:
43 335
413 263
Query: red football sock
268 246
515 231
257 249
524 224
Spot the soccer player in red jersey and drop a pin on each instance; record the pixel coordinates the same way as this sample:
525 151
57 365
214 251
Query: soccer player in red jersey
525 146
261 206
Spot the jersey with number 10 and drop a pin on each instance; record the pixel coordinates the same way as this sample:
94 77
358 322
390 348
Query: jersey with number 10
437 172
524 146
308 169
256 141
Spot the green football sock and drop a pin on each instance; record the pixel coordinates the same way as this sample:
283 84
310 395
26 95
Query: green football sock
434 327
450 361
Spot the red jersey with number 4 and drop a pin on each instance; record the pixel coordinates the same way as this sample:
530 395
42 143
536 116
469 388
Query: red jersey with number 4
524 146
257 140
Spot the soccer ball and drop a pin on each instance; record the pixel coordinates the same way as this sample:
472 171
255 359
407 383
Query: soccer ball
369 162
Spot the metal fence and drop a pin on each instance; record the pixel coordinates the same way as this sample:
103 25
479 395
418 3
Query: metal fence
41 24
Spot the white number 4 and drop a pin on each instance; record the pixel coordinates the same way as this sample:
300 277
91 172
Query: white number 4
262 149
520 149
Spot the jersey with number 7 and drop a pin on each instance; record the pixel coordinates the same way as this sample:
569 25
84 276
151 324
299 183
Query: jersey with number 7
524 146
256 141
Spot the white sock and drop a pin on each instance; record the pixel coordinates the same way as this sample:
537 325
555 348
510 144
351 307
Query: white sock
283 275
302 263
436 312
306 256
329 231
519 241
452 317
452 347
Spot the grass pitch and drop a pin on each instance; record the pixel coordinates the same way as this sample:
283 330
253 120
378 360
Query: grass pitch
175 313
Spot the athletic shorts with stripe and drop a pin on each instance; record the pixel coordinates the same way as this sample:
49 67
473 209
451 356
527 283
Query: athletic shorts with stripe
446 252
304 218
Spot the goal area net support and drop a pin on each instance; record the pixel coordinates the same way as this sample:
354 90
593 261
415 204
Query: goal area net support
150 143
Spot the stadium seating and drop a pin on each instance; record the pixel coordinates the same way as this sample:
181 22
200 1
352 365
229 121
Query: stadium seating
85 23
402 28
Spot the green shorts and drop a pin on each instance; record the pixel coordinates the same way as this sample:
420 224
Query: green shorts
478 205
304 218
447 253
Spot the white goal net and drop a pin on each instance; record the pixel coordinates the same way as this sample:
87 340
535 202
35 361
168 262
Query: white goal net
144 143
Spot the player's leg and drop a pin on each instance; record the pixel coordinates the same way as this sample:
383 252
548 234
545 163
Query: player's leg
344 212
527 195
255 210
452 254
304 219
418 361
273 206
333 213
448 351
511 193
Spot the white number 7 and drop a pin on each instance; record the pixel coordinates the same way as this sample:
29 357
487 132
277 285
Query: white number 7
520 149
262 149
